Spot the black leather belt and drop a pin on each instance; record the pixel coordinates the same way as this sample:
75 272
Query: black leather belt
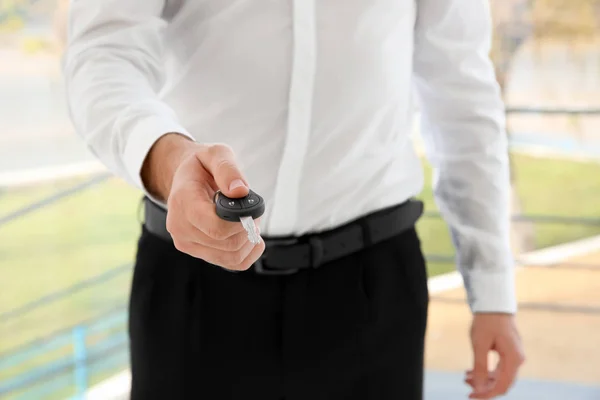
287 255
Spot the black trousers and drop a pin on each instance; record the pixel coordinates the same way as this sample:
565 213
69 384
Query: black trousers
351 329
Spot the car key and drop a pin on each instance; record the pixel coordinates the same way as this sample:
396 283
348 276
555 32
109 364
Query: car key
244 209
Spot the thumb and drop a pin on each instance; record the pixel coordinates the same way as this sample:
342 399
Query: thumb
219 161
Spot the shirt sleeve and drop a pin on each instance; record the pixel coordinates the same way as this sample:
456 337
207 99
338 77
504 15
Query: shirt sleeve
113 69
463 129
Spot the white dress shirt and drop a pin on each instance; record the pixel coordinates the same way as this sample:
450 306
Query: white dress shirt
315 99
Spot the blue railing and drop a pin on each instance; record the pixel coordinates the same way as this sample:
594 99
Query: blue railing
65 362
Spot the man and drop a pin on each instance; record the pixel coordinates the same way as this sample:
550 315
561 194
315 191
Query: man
309 104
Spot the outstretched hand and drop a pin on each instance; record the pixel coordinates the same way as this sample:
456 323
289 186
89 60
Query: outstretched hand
186 176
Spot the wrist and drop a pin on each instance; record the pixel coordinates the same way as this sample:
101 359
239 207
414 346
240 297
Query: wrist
162 161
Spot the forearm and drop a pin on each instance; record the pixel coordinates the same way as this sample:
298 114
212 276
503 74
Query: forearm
463 126
473 196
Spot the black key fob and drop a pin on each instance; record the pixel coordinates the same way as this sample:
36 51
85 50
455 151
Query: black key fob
233 209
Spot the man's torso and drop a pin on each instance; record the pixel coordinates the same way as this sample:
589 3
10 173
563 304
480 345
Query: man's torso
314 98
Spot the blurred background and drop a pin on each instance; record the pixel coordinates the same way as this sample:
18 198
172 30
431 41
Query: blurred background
68 229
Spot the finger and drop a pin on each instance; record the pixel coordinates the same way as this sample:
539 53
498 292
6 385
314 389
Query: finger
505 372
492 390
219 160
237 261
229 260
232 243
490 379
505 378
254 255
480 366
469 381
469 374
203 217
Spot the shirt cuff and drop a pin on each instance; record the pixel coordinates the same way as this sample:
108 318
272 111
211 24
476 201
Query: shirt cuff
139 142
492 292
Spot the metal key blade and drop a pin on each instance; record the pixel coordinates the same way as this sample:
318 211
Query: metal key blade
248 224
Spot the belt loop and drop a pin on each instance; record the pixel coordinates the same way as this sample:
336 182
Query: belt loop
316 251
366 232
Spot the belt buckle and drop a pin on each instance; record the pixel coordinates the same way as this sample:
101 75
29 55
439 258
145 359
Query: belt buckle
259 266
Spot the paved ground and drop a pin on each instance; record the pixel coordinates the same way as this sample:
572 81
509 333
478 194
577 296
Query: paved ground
560 324
446 386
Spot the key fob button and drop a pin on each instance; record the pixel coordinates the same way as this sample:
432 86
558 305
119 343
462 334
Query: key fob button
250 201
232 204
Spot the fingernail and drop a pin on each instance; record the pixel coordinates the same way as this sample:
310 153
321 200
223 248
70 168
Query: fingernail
236 184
